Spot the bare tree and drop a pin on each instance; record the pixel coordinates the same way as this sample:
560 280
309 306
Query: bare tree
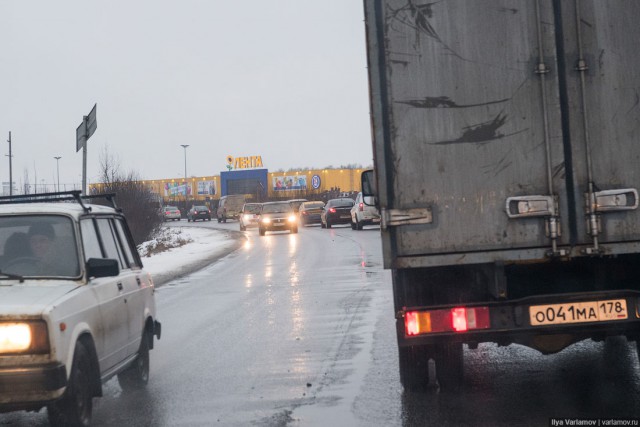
139 204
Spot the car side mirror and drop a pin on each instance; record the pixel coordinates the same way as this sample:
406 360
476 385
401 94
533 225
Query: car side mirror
102 267
367 181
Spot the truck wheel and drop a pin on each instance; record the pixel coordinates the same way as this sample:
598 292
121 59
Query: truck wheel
136 376
450 366
75 406
414 368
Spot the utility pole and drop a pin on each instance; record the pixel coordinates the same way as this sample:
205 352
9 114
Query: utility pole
10 168
58 169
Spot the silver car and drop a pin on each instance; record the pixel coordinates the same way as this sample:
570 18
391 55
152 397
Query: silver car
364 213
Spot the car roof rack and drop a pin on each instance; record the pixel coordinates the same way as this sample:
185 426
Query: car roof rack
60 197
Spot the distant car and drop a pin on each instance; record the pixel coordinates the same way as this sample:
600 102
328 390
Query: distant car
295 203
249 215
336 211
229 207
309 213
171 213
277 216
364 213
198 212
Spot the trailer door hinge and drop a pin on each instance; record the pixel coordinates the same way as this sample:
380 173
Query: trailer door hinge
622 199
395 217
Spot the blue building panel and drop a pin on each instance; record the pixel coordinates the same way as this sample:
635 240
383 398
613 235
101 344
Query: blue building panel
246 181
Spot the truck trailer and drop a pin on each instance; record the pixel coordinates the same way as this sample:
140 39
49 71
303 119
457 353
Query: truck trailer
506 145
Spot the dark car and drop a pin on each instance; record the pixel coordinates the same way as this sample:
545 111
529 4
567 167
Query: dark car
249 215
336 211
309 213
198 212
295 203
277 216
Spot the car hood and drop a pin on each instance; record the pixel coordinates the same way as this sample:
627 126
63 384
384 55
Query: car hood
27 299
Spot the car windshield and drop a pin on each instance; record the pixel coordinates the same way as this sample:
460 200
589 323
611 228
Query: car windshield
276 208
346 203
252 208
200 208
171 208
312 205
38 245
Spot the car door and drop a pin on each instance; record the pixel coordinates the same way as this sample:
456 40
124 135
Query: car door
111 339
141 292
127 281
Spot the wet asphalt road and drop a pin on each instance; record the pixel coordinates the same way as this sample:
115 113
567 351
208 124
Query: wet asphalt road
297 330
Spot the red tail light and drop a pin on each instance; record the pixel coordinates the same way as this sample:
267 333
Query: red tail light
332 210
361 206
459 319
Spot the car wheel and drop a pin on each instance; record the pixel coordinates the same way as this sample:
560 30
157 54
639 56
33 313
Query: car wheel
136 376
328 223
414 368
75 406
322 224
294 230
359 224
450 366
242 228
261 231
353 225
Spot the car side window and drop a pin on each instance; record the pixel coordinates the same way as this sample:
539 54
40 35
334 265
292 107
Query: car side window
109 241
126 244
90 241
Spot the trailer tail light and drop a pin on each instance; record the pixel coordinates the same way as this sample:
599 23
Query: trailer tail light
458 319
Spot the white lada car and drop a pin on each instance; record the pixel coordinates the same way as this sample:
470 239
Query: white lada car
76 306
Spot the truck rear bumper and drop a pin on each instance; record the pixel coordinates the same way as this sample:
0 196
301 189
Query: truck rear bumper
514 321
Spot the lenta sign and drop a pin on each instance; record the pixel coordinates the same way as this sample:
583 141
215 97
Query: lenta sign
244 162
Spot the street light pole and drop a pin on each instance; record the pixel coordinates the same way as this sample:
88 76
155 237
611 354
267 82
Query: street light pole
185 169
58 169
10 168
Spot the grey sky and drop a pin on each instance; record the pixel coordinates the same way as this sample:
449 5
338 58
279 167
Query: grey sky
282 79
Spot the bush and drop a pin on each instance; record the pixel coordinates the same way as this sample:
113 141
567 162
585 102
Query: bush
138 203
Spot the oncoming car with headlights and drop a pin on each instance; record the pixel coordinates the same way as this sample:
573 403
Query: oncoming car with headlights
277 216
249 215
77 308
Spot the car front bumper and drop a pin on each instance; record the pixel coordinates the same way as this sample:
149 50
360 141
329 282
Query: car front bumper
24 387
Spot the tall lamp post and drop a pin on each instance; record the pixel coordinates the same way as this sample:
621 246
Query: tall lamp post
58 169
185 169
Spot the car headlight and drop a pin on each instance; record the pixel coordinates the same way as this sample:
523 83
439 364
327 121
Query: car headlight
266 220
292 218
24 337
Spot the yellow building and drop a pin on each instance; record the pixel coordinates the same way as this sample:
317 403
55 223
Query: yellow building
310 184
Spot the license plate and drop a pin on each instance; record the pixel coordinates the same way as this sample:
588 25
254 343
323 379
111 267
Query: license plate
345 216
578 312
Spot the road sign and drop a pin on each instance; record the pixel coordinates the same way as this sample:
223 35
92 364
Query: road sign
92 123
86 129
